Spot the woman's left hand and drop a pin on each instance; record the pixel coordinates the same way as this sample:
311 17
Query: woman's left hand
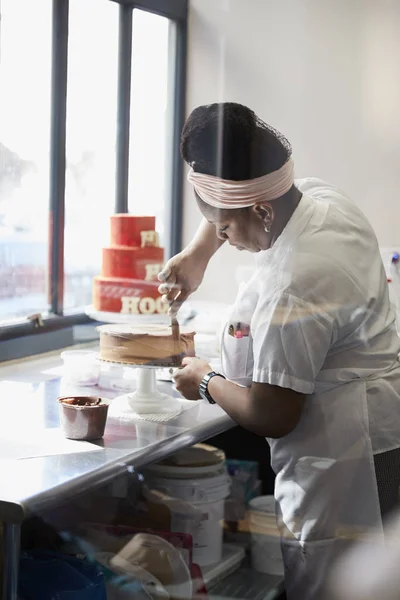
189 376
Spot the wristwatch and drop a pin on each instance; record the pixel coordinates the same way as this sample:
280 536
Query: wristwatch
203 387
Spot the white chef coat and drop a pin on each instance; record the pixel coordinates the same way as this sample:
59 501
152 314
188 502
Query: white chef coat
321 324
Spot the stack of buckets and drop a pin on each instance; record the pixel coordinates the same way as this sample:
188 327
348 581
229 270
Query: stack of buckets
266 555
196 481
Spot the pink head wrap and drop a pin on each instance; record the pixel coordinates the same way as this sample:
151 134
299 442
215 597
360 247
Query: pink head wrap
224 193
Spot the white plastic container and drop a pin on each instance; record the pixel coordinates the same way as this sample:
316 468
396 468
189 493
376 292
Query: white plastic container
81 367
202 488
266 554
117 377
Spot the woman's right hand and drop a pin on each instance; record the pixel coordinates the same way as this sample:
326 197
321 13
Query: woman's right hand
181 276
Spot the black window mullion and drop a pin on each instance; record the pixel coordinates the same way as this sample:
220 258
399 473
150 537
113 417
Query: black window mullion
177 114
57 152
123 108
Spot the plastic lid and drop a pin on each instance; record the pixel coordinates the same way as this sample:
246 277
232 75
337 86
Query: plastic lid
200 455
195 462
263 504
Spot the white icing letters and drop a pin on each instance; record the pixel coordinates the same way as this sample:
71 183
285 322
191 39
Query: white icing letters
147 306
143 306
162 307
149 238
130 305
152 271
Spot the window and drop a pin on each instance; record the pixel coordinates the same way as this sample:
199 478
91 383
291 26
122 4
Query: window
90 143
24 156
149 117
89 120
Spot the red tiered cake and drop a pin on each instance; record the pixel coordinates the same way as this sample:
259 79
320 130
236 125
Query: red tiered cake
130 265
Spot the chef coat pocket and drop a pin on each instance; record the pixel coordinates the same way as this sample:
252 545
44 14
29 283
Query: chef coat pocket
237 353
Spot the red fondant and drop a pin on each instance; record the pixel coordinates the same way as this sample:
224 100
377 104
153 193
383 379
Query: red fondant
123 261
108 291
123 272
125 229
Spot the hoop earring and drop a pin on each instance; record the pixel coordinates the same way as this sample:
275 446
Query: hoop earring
267 229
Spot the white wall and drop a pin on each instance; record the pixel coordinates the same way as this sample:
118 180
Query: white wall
324 72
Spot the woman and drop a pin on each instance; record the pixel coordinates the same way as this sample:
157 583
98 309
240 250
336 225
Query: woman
310 350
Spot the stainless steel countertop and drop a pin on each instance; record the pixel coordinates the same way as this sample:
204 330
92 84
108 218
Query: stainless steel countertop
30 485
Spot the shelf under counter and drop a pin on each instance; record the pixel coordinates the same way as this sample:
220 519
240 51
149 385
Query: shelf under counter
29 485
35 477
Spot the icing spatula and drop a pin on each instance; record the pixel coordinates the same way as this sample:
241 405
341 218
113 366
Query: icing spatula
176 338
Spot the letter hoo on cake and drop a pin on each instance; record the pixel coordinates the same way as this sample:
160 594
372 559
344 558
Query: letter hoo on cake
144 306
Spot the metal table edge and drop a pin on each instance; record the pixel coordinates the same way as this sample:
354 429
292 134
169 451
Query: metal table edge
17 511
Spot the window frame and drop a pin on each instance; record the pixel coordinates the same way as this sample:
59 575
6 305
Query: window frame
13 334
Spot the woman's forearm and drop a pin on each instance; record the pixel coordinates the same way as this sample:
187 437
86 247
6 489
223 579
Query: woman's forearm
264 409
236 402
205 240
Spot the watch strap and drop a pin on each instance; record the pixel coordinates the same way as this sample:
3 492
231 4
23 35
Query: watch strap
203 387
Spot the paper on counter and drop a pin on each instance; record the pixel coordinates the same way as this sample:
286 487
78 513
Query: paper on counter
40 443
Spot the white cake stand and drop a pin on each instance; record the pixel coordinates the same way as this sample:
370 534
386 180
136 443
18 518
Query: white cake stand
113 317
146 399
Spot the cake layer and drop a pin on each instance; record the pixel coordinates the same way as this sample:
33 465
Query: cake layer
126 229
128 296
132 263
144 344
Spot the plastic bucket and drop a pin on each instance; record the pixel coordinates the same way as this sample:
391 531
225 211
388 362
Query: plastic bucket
202 488
266 554
81 367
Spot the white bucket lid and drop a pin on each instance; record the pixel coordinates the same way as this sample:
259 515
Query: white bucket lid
196 461
265 504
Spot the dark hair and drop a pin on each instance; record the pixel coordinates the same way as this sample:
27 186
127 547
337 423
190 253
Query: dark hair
229 140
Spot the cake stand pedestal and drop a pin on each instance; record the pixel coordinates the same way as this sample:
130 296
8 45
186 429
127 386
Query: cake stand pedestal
146 399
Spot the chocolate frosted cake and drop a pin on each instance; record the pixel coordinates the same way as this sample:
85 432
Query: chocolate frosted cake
145 344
